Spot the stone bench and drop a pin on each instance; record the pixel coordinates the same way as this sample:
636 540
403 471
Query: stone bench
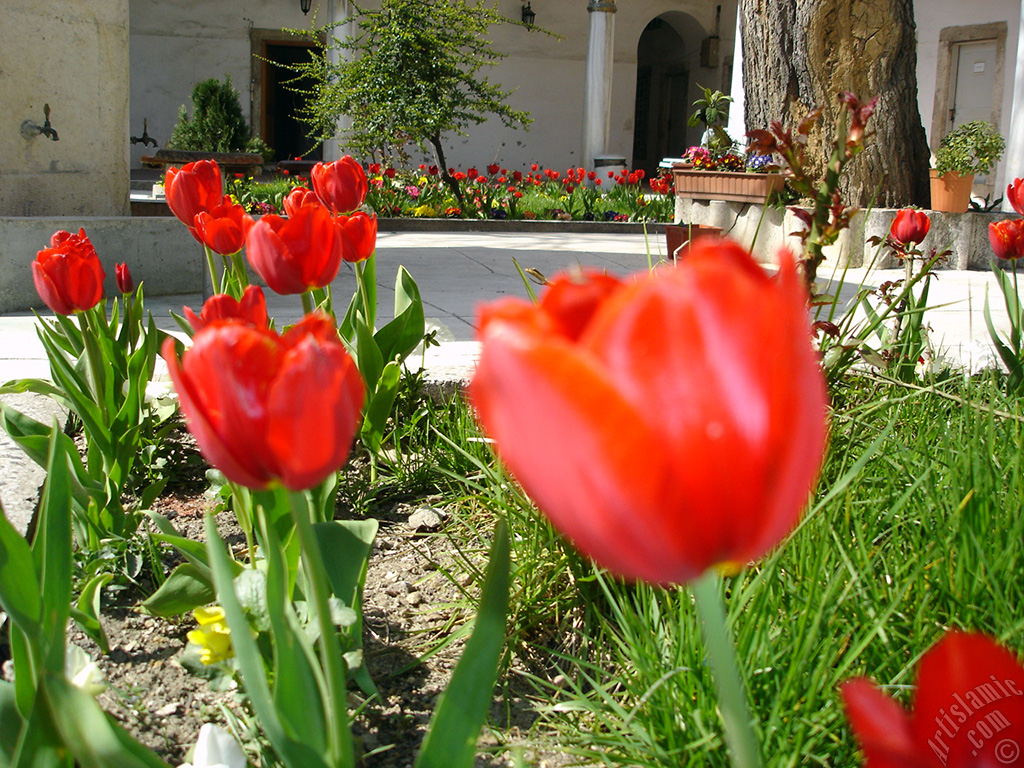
231 162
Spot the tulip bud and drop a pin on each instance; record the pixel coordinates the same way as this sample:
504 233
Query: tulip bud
68 275
1007 238
123 278
910 226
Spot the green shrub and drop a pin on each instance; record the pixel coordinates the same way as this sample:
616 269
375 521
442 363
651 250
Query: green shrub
217 124
972 148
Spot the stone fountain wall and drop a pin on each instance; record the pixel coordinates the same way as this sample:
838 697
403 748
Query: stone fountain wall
72 55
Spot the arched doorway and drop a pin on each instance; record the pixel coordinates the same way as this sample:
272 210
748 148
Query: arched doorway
671 69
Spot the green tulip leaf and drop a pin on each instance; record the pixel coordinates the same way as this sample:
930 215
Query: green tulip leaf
399 337
19 587
379 408
462 709
187 588
86 611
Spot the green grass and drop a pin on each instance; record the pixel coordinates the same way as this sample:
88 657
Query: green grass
915 528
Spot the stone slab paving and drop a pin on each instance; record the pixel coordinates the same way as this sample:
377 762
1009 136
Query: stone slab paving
458 271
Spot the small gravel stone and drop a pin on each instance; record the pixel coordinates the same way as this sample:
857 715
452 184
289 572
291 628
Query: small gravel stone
398 588
414 598
425 520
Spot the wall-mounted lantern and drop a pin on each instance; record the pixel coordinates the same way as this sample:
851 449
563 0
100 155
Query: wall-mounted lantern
528 14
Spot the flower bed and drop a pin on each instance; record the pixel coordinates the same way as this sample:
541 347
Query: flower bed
496 193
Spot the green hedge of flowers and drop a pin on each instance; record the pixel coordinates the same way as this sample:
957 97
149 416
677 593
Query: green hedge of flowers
495 193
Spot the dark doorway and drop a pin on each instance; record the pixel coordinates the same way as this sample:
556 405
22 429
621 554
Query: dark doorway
662 96
284 97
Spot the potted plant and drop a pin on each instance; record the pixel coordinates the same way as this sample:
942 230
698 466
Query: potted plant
714 170
968 150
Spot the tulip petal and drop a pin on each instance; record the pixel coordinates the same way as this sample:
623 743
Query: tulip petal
970 699
219 393
881 726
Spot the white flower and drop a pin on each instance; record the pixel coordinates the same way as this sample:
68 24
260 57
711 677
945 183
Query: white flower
215 748
83 672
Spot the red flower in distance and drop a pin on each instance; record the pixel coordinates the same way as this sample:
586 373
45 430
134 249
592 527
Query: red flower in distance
223 228
358 234
341 185
251 309
665 426
266 408
192 189
295 254
1015 194
1007 238
123 278
968 710
68 275
910 226
493 168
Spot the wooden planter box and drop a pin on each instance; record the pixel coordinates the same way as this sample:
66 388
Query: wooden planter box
725 185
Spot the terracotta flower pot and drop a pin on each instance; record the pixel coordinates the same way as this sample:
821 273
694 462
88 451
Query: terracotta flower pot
951 192
736 186
679 236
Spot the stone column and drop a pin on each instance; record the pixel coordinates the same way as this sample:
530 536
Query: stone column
1014 165
597 96
338 12
737 127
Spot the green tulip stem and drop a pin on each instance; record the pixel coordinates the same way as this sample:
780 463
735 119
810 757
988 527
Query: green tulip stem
732 696
307 302
212 264
363 294
241 274
1014 321
336 709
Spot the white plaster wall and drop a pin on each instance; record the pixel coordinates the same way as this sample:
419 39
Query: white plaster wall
73 56
177 43
932 16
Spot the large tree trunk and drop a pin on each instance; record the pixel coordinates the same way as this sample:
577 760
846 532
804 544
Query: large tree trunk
799 54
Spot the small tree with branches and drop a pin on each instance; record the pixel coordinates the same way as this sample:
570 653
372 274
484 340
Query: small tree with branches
411 73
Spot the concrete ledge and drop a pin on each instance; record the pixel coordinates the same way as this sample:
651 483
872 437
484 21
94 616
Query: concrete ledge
159 252
766 229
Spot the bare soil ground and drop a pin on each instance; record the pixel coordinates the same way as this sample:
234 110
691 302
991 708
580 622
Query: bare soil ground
415 598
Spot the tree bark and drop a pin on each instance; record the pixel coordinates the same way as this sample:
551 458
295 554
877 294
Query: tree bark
800 54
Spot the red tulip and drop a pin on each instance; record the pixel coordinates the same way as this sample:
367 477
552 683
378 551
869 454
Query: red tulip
358 234
123 278
192 189
266 408
223 228
666 425
1015 194
298 253
297 198
251 309
1007 238
340 185
968 710
68 275
910 226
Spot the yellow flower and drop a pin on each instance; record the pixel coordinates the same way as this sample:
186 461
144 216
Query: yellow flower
213 636
423 210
